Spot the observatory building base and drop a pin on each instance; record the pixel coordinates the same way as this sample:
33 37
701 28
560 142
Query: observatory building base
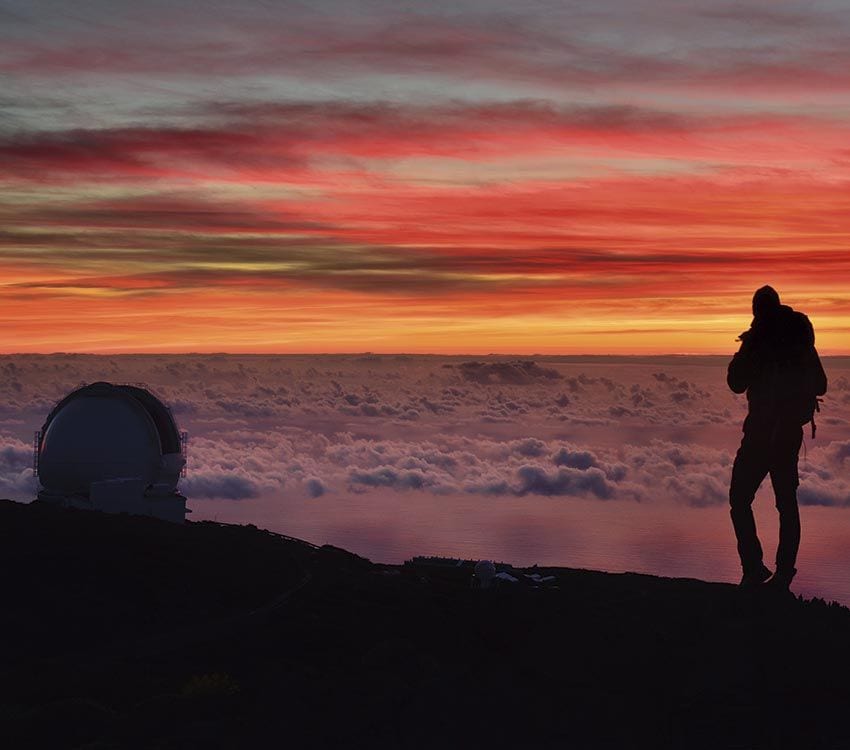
123 496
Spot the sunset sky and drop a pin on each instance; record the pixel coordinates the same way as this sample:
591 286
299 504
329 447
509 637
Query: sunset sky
468 176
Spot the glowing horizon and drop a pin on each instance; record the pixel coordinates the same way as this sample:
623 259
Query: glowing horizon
463 179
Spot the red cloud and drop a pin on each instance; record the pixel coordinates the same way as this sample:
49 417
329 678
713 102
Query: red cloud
304 142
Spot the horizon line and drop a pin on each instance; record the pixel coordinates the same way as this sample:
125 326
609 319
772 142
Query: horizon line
364 353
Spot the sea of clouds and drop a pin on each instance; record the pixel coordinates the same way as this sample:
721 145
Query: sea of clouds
640 430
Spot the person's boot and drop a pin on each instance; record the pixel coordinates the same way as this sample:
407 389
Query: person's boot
755 576
781 580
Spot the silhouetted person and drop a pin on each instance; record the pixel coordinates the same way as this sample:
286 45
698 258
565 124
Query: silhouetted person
779 368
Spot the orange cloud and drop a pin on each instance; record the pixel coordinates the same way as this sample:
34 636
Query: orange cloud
380 180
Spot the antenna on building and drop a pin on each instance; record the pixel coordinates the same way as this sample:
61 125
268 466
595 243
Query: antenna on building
184 451
36 441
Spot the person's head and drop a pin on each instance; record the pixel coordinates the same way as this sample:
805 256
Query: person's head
765 301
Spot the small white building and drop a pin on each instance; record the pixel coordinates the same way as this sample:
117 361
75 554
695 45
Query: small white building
113 448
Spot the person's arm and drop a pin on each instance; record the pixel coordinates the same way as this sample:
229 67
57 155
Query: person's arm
739 374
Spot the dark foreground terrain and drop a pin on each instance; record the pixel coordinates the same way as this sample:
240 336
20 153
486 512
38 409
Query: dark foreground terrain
123 632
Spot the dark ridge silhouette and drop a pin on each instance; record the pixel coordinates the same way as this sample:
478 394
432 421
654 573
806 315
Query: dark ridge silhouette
132 632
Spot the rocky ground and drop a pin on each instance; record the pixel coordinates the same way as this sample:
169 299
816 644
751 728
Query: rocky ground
125 632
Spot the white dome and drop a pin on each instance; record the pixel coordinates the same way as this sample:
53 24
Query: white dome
103 432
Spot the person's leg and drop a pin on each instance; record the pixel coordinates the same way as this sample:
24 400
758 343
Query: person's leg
785 480
748 471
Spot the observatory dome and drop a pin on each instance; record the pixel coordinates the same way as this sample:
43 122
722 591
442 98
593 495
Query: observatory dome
112 447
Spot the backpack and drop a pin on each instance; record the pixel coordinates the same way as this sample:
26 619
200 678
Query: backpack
793 373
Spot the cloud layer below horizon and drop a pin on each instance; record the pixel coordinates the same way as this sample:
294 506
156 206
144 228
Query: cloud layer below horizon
657 431
610 463
464 177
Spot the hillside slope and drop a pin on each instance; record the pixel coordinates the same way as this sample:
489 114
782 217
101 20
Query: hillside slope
131 632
